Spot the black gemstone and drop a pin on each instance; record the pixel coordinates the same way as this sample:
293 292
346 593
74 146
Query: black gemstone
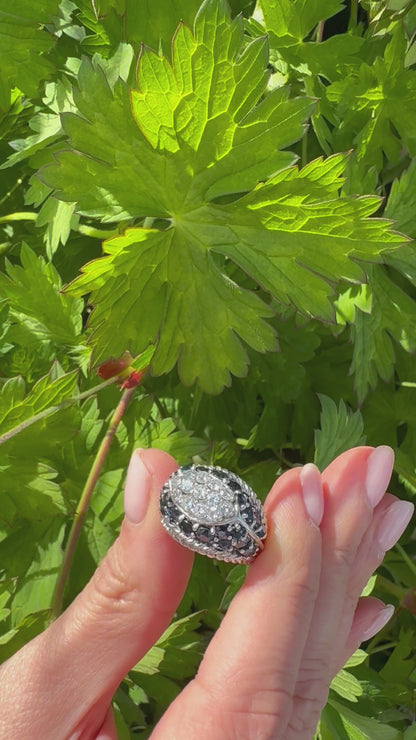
185 467
203 468
222 539
203 534
223 546
233 485
165 498
247 515
243 500
171 512
186 526
239 534
221 474
248 549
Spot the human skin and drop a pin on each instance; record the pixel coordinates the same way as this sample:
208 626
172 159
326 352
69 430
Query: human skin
290 628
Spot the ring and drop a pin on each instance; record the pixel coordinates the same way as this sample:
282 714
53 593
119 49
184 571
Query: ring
213 512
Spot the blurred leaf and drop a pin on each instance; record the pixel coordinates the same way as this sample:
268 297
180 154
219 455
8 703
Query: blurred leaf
364 728
346 685
340 430
24 43
16 408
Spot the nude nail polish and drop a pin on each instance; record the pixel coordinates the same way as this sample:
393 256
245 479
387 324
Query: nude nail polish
394 522
379 468
378 622
310 479
136 489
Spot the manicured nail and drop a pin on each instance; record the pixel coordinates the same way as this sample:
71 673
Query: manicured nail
394 522
136 489
378 622
310 479
379 469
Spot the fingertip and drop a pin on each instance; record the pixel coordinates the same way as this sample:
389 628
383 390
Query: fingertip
291 539
313 497
158 462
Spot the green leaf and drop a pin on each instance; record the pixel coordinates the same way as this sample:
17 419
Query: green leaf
346 685
55 316
24 43
359 727
31 494
205 311
400 664
391 317
177 653
31 555
400 206
358 657
193 135
34 589
374 102
178 443
26 630
290 21
16 408
340 430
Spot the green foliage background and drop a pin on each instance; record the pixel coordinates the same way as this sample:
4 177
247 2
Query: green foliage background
254 184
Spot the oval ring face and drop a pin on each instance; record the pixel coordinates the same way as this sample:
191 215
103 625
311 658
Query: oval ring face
214 512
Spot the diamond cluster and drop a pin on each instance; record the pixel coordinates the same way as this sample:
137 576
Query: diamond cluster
214 512
202 496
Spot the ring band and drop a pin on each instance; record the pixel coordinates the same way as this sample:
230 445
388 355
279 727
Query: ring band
213 512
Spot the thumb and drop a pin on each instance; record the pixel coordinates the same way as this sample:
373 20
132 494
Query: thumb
129 601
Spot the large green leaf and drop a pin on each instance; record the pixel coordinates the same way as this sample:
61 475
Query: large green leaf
196 132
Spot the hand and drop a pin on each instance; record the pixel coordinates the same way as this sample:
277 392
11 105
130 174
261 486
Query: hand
287 632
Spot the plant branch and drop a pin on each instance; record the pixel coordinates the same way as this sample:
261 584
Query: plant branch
390 587
353 14
320 31
11 191
406 558
84 503
52 409
19 216
81 228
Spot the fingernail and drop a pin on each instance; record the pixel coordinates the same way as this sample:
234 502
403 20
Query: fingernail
394 522
379 469
310 479
136 489
378 622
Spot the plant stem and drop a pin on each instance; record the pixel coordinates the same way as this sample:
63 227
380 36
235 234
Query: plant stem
19 216
406 558
11 191
390 587
52 409
353 14
304 149
81 228
96 233
84 501
320 31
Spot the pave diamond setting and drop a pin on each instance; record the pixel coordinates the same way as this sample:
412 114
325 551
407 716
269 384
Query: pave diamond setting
214 512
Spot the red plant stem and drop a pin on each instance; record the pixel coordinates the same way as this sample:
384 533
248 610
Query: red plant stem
83 504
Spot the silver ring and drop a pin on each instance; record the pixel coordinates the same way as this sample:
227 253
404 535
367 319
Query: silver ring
213 512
